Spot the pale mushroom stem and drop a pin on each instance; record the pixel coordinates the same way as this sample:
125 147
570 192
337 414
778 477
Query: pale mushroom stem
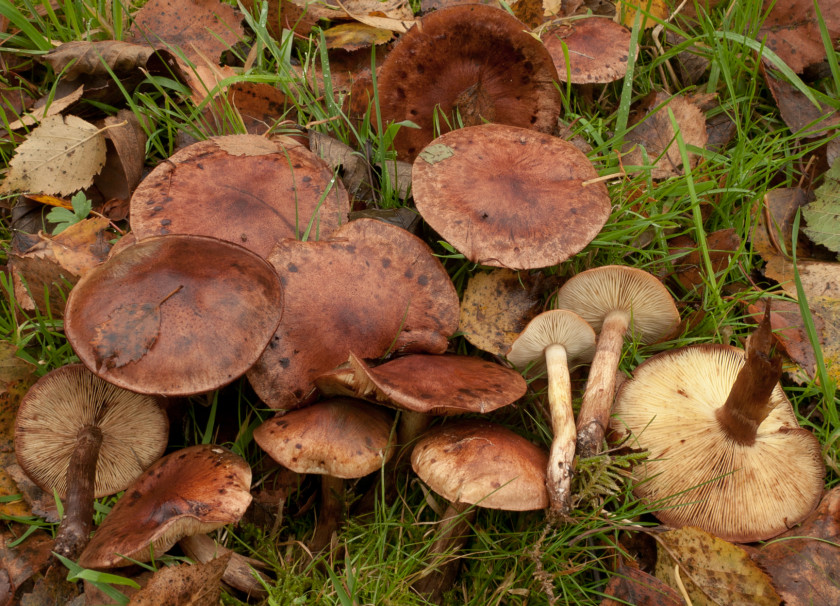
562 456
74 531
600 390
332 492
411 425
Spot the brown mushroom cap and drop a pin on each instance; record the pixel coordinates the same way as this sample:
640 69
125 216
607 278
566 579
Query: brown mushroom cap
700 476
191 491
372 288
509 197
341 437
218 306
436 384
597 49
596 292
134 428
209 189
482 464
476 58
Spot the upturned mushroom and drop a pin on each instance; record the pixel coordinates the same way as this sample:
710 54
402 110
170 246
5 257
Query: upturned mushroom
84 438
552 341
618 302
338 439
726 452
191 491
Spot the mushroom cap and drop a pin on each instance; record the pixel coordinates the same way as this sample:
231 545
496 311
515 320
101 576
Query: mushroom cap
209 189
509 197
700 476
372 288
341 437
439 384
596 292
553 327
134 427
224 306
483 464
475 57
193 490
598 49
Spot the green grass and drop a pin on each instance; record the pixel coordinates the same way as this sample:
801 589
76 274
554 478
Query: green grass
511 559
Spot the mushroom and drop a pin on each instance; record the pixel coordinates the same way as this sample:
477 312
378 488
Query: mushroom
596 50
552 341
472 62
338 439
509 197
473 462
617 301
191 491
726 452
174 315
84 438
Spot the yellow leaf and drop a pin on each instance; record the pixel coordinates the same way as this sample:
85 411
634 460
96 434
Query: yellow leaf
656 8
355 36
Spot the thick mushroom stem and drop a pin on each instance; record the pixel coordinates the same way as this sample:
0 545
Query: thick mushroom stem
74 531
598 398
562 456
332 493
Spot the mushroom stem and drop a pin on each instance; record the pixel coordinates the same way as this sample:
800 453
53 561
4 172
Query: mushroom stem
74 531
598 398
332 493
444 566
411 425
562 456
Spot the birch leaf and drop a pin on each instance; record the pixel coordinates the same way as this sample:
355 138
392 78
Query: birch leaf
823 214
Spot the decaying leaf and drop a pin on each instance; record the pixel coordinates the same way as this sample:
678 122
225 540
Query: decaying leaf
649 8
354 36
46 106
802 117
184 585
723 246
630 585
26 559
140 320
792 32
392 10
823 214
126 144
82 57
712 570
61 156
789 331
16 377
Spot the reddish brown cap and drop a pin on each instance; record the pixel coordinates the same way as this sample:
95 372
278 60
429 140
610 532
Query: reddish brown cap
134 428
483 464
341 437
245 189
372 288
597 50
475 58
174 315
509 197
191 491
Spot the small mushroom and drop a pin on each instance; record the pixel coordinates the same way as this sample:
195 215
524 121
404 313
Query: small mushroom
554 340
84 438
617 301
191 491
338 439
589 51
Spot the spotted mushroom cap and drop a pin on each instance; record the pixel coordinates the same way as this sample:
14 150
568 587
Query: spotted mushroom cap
697 474
191 491
134 428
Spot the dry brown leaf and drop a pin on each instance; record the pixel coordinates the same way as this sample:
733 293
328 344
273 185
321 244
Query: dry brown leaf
630 585
655 133
712 570
358 11
800 115
16 377
399 10
723 247
61 156
125 142
530 12
792 32
48 106
97 58
26 559
789 331
184 585
285 14
355 36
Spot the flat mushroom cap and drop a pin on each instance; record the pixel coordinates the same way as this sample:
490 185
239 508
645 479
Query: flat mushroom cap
596 292
191 491
174 315
598 49
553 327
737 492
341 437
483 464
439 384
209 189
474 57
135 429
509 197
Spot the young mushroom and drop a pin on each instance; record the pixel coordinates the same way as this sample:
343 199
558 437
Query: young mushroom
554 340
85 438
617 301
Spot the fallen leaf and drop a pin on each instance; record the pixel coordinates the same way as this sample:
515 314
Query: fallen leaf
26 559
184 585
240 573
392 10
395 24
712 570
125 142
801 116
47 106
436 152
789 331
530 12
16 377
60 156
792 32
823 214
285 14
354 36
73 59
82 246
723 246
649 8
629 585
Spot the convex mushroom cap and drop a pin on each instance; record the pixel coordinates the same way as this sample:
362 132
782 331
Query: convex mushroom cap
696 472
174 315
191 491
509 197
474 59
596 49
